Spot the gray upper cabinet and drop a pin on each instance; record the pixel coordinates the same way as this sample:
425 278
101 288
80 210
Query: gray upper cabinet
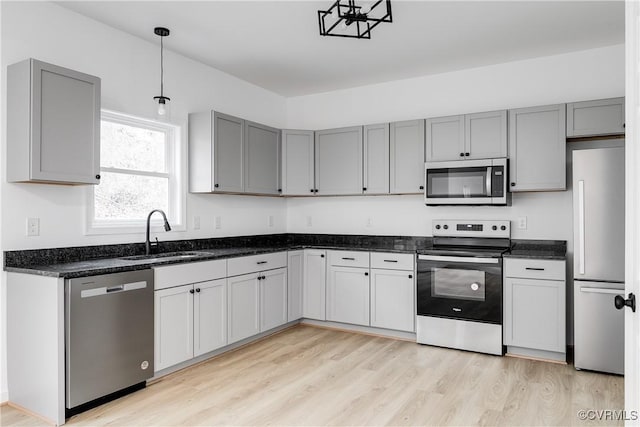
537 147
339 161
376 159
298 163
231 155
445 138
53 124
470 136
592 118
485 135
406 158
261 159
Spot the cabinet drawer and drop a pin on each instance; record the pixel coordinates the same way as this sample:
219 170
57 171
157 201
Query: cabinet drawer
250 264
349 258
392 261
193 272
535 268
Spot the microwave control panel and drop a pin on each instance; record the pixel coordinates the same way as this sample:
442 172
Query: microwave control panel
471 228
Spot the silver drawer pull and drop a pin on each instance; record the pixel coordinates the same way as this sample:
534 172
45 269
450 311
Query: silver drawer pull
349 259
261 262
534 268
390 260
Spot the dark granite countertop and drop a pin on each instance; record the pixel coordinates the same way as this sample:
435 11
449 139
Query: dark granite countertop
104 259
540 249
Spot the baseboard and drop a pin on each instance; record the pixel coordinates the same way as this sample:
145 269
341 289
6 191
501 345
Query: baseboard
31 413
367 330
4 397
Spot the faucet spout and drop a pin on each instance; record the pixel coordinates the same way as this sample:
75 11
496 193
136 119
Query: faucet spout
167 227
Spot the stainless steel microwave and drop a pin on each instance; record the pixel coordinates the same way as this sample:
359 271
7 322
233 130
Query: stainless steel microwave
467 182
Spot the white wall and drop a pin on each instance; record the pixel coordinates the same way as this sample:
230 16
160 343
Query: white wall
129 69
577 76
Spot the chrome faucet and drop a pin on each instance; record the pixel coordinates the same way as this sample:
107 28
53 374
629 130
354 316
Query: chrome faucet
167 227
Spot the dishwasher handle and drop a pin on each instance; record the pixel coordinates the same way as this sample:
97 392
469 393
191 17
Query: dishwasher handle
95 292
601 290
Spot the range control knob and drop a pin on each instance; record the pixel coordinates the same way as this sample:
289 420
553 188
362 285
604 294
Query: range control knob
503 227
494 228
438 227
446 227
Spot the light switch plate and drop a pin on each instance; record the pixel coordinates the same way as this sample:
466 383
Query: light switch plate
218 222
196 222
33 226
522 223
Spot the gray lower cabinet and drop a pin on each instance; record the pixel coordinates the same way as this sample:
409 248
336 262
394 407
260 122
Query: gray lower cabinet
537 148
376 159
243 306
295 280
273 298
190 320
348 295
593 118
406 157
261 159
469 136
392 299
338 161
534 308
314 284
53 124
298 163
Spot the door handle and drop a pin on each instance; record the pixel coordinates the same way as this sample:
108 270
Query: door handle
620 302
581 226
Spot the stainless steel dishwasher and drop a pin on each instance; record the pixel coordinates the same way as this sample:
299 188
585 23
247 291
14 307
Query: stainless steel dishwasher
108 336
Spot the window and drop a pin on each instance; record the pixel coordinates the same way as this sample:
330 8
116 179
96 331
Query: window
139 168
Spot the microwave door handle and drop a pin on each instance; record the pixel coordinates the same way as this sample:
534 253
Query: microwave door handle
488 180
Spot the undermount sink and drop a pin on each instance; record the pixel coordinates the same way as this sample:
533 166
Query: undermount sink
165 256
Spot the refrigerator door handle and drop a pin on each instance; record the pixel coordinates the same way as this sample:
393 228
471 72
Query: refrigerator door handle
602 290
581 226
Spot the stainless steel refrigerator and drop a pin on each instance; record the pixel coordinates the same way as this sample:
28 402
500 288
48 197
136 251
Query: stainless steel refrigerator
598 258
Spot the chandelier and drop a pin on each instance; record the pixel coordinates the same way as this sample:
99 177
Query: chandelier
345 18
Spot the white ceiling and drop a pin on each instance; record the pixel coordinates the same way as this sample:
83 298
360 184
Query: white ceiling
276 44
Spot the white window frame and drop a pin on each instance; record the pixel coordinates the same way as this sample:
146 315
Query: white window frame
175 167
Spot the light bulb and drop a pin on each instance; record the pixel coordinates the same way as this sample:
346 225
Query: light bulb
162 109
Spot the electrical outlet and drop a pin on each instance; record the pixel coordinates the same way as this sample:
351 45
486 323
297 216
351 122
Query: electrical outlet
218 222
33 226
196 222
522 223
270 222
369 222
309 221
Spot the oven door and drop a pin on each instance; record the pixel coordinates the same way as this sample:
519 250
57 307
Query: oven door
460 287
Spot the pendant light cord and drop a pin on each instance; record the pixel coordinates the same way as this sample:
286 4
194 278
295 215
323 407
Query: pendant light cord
161 66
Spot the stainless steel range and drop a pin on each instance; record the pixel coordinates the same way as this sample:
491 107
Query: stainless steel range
459 285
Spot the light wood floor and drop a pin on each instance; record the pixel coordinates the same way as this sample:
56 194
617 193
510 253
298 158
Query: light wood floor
311 376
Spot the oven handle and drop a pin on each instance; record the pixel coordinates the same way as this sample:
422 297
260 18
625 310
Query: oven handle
488 180
469 260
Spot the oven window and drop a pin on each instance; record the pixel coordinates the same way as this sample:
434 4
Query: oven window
458 284
457 183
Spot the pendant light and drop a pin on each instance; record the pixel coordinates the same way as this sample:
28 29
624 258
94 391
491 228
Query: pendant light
162 102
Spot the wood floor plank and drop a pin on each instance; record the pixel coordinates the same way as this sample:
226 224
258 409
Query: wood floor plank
308 376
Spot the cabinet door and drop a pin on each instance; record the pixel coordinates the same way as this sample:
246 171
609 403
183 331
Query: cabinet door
209 316
339 161
273 298
53 124
534 314
376 159
261 159
537 148
243 306
591 118
392 299
348 295
485 135
295 279
298 162
228 155
314 284
173 326
445 138
406 158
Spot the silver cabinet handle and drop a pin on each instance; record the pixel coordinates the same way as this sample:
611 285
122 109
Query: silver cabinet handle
454 259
